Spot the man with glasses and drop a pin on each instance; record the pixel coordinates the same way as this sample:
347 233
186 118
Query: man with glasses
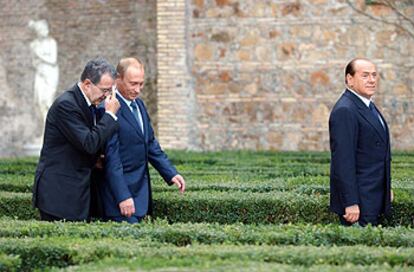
72 140
126 191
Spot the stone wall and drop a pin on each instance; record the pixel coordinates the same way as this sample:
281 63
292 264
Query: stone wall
82 30
265 74
229 74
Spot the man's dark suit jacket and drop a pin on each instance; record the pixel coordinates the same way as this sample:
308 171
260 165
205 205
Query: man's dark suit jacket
126 163
69 153
360 158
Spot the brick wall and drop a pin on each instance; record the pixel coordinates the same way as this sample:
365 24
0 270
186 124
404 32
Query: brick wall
176 101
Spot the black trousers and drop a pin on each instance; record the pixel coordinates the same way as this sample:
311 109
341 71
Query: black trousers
132 220
362 221
48 217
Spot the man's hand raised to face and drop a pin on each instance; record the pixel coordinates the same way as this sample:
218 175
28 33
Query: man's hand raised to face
112 103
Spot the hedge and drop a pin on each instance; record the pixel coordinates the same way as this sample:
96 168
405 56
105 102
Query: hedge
211 207
180 234
45 252
304 185
255 208
9 263
18 205
225 208
202 264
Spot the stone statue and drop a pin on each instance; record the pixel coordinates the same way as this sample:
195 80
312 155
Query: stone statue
44 51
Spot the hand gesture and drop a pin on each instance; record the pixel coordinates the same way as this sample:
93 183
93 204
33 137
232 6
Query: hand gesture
127 207
180 182
352 213
112 103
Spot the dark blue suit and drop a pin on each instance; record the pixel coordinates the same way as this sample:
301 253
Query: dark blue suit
360 159
126 164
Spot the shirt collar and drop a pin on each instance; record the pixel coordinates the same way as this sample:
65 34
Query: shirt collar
84 95
363 99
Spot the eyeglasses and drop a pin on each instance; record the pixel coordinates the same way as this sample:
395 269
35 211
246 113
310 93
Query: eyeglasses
105 91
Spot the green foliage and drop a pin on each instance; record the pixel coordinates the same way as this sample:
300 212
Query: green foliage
223 207
182 234
17 205
219 264
257 211
9 263
55 251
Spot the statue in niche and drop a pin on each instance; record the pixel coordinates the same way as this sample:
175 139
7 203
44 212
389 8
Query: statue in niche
44 58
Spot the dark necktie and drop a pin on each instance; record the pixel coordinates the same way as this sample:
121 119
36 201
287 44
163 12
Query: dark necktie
136 114
92 108
376 114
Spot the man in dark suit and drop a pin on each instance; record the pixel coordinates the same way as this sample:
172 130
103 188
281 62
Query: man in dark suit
71 143
126 191
360 150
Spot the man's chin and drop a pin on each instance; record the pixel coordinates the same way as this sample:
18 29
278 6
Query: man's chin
97 103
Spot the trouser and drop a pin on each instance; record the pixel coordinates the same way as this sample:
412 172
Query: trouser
132 220
362 221
48 217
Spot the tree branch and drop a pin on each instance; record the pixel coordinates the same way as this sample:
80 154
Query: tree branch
382 20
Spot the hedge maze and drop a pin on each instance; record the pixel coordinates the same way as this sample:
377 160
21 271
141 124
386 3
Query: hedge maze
242 211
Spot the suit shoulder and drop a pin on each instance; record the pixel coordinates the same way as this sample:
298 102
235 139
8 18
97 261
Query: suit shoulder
65 102
65 98
344 103
344 107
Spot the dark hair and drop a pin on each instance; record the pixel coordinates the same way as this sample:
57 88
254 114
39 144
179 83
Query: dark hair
97 67
350 69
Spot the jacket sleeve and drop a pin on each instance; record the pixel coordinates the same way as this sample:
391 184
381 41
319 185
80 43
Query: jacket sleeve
72 125
343 129
158 158
114 174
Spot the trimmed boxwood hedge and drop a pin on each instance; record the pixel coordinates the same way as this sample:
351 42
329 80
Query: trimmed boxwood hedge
17 205
62 251
181 234
256 188
193 263
9 263
226 208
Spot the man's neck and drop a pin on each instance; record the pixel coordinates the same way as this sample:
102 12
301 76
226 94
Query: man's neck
365 100
82 88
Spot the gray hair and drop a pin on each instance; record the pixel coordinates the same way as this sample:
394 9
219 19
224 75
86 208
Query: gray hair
97 67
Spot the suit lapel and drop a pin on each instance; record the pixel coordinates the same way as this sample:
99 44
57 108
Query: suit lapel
387 133
367 115
143 116
129 117
80 100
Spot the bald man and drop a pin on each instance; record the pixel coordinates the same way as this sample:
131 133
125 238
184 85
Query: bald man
360 150
126 191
